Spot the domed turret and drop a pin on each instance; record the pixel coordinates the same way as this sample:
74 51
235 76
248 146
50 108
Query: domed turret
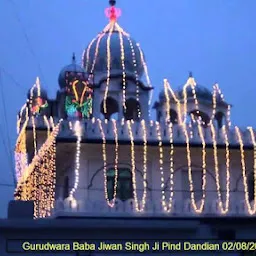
113 51
99 48
67 71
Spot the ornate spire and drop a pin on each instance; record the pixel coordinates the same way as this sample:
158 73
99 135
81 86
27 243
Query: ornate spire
112 2
74 58
112 12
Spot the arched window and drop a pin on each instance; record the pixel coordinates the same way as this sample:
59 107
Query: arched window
124 184
251 187
111 107
132 110
66 188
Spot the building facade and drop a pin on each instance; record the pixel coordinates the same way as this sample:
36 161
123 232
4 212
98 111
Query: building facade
96 151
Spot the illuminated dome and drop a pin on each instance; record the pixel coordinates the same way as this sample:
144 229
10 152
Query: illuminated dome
202 93
73 67
112 43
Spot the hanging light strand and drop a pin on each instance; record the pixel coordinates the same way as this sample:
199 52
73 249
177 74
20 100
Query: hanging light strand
108 69
251 210
78 133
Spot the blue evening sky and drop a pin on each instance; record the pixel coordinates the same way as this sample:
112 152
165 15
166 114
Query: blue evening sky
213 38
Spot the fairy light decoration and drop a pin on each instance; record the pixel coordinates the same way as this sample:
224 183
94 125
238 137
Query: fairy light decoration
78 133
37 182
251 210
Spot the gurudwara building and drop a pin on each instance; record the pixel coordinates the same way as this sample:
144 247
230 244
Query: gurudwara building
103 156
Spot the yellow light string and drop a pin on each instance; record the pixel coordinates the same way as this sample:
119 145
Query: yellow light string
254 162
88 54
176 100
123 67
116 163
40 154
78 133
34 135
168 106
228 116
52 122
191 82
108 69
216 168
225 210
111 203
38 181
199 209
171 178
135 65
161 155
214 102
133 166
141 209
251 210
96 53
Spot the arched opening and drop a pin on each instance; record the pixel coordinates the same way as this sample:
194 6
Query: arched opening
132 111
111 107
251 186
66 188
173 116
200 116
219 117
124 189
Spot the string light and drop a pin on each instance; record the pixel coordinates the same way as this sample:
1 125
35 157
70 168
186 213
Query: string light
78 133
133 166
192 83
108 70
217 176
214 101
136 74
100 36
167 100
104 157
123 67
171 178
144 166
251 210
254 167
34 135
176 101
37 182
88 54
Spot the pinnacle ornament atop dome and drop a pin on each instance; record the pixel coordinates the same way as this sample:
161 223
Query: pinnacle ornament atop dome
112 12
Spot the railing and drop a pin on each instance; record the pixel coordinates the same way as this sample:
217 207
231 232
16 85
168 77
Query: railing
152 208
91 130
